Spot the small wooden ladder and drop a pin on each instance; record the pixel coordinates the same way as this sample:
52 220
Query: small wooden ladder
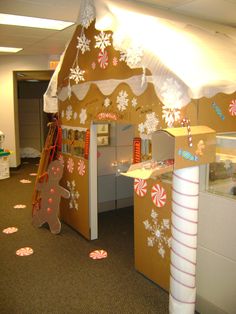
45 158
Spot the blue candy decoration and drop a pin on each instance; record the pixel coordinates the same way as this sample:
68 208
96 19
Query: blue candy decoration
218 111
187 155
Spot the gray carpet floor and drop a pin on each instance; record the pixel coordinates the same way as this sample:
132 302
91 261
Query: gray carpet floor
60 277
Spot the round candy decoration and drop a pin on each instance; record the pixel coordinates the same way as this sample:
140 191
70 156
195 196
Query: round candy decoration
98 254
140 187
24 251
81 167
158 194
10 230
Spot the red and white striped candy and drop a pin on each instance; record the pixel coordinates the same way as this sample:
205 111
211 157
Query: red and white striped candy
81 167
158 194
103 59
232 108
98 254
10 230
140 187
24 251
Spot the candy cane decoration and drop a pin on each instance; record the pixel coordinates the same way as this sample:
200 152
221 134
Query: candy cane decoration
186 122
184 241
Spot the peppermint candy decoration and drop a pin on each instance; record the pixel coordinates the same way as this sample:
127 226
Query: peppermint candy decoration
10 230
70 165
103 59
140 187
98 254
232 108
158 194
20 206
81 167
25 251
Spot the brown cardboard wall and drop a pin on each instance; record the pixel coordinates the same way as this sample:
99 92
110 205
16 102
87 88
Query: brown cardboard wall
217 113
152 253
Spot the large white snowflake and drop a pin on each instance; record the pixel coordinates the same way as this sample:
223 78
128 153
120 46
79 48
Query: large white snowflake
69 112
158 235
74 195
170 115
171 93
132 56
122 100
76 74
83 43
83 116
102 41
87 13
151 122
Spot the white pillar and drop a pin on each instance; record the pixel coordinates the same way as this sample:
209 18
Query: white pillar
185 196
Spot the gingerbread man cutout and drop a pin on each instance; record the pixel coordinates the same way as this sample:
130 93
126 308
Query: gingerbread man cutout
51 193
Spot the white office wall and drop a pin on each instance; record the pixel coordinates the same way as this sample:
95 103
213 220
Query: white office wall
216 255
8 105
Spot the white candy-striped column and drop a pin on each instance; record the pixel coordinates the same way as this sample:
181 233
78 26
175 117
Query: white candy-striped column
185 196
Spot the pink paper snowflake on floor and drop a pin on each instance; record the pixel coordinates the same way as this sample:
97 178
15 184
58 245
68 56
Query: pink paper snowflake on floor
232 108
98 254
20 206
25 251
115 61
33 174
25 181
81 167
10 230
103 59
70 165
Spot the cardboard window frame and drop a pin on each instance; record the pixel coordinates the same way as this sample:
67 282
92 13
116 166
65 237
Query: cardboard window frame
103 136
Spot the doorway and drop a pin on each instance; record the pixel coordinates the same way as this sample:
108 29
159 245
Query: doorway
111 150
32 120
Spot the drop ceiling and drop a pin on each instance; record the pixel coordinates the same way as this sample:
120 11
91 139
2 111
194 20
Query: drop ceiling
41 41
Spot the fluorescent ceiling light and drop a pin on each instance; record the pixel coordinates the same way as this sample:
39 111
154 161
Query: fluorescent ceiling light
10 49
17 20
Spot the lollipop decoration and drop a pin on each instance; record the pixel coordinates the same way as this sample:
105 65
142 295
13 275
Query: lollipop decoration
98 254
140 187
158 195
232 108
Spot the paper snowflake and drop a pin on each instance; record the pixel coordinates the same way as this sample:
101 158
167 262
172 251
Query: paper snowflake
83 43
170 115
74 195
83 116
76 74
158 235
151 122
107 102
62 114
70 165
69 112
75 115
134 102
69 90
102 41
141 128
171 93
132 56
93 65
115 61
87 13
122 100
